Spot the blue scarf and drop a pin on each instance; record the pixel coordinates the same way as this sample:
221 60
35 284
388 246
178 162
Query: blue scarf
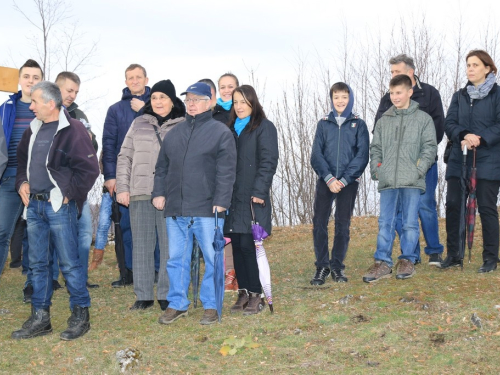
240 124
483 89
226 105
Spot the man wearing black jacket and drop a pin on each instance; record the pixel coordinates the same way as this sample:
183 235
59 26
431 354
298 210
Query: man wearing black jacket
429 101
194 178
57 167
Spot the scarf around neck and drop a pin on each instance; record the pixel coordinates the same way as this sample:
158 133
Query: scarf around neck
240 124
226 105
483 89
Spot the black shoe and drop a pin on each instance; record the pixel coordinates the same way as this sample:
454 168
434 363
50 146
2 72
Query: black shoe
56 285
450 261
163 304
27 293
338 276
488 266
320 276
38 324
16 264
156 277
128 279
78 324
435 260
92 286
142 305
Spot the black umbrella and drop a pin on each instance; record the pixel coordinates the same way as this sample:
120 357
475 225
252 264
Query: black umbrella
463 202
119 249
195 271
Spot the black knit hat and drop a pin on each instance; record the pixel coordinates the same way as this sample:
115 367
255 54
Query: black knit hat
165 87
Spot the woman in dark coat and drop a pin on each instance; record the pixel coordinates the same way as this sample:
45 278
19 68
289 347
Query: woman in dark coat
257 144
473 121
227 83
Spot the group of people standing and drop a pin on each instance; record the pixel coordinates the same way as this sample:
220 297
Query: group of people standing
169 163
173 164
409 124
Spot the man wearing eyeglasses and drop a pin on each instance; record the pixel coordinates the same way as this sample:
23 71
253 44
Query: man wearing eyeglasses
194 177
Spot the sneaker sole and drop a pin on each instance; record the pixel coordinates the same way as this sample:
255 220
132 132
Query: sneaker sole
208 322
388 276
185 313
436 264
404 277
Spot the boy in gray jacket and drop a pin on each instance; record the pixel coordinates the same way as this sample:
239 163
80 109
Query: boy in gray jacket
402 150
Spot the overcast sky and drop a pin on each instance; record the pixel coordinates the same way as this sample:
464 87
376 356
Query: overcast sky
188 40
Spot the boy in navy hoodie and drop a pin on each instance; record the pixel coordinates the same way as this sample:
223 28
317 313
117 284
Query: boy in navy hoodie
339 156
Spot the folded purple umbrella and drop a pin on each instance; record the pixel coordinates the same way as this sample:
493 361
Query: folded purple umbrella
259 234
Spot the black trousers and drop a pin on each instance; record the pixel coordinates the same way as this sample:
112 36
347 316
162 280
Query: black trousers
245 262
323 202
487 193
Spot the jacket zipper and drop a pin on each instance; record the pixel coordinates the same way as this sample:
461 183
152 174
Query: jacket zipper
183 160
398 139
338 153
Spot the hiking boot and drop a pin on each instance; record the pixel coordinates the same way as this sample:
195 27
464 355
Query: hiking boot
78 324
209 317
241 302
128 279
230 281
38 324
450 261
435 260
488 266
320 277
56 285
378 270
255 304
97 258
338 276
404 269
142 305
27 293
171 315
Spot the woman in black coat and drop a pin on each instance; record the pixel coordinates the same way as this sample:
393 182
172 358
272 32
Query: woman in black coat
257 144
227 83
473 121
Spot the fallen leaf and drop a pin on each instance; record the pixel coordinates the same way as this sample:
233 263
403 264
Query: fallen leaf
225 350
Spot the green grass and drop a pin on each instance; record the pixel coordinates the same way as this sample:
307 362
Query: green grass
386 328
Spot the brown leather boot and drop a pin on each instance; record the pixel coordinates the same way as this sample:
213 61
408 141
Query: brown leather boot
241 302
97 257
255 304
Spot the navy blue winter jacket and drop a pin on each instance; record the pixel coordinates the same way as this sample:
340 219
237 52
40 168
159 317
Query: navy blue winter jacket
340 151
480 117
8 115
118 120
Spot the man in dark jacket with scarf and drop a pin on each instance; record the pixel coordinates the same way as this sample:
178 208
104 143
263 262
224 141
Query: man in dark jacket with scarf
57 167
118 120
429 101
194 177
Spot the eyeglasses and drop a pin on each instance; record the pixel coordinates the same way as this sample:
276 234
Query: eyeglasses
195 101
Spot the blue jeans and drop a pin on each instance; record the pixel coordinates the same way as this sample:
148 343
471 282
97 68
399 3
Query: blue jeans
428 215
391 201
101 236
11 207
180 232
126 235
84 242
61 229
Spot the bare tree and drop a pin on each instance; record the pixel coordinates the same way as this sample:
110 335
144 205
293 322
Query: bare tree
67 51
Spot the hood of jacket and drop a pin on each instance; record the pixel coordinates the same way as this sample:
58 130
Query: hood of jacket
179 109
348 110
